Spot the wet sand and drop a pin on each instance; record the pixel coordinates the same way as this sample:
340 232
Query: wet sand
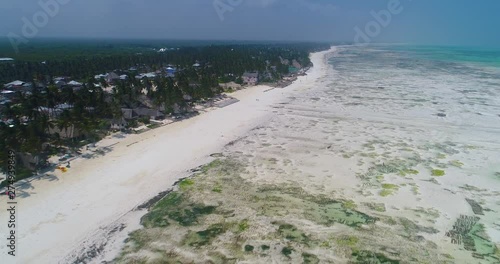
335 176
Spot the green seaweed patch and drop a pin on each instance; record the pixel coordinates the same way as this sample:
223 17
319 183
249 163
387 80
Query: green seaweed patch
243 226
205 237
350 204
369 155
176 208
431 212
291 233
390 186
379 207
412 228
441 156
216 257
186 184
308 258
388 189
317 208
385 192
456 163
484 248
331 211
139 239
287 251
249 248
408 172
347 241
347 155
214 164
189 216
415 190
365 256
265 247
437 173
217 189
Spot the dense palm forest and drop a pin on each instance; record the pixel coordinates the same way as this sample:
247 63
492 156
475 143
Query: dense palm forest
32 123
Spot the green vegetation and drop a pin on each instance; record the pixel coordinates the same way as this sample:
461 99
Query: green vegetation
287 251
388 189
365 256
408 171
347 241
291 233
456 163
185 184
265 247
441 156
437 173
176 208
379 207
202 238
229 235
243 226
411 228
249 248
308 258
349 205
217 189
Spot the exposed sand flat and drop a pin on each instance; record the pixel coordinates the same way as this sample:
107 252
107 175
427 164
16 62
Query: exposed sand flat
59 214
344 171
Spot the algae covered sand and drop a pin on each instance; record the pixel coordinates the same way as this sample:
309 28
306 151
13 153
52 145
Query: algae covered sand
342 173
261 224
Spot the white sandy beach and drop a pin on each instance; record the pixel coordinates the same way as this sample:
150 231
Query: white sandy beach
60 214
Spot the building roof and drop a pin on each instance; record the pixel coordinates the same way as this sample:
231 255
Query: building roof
113 76
15 83
101 76
74 83
147 75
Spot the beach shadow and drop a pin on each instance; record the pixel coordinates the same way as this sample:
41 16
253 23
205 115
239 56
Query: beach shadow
50 177
22 194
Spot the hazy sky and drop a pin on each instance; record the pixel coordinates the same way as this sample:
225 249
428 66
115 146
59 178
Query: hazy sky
468 22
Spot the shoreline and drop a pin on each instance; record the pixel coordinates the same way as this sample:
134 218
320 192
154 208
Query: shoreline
138 168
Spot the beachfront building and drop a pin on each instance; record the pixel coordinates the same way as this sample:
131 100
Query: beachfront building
75 85
150 75
118 124
147 112
19 86
112 77
132 113
250 78
171 71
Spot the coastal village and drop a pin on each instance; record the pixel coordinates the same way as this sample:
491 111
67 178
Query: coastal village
138 98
